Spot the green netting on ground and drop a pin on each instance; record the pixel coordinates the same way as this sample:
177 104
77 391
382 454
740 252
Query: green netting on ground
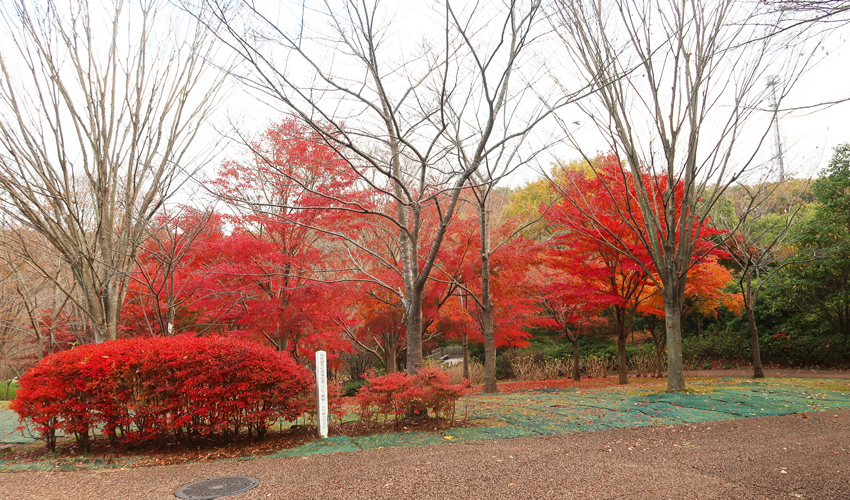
332 444
8 428
398 439
755 402
727 401
538 423
558 410
585 417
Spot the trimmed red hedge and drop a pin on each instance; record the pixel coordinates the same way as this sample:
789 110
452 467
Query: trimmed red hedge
141 390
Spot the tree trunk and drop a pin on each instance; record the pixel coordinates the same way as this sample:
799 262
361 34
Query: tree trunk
622 363
673 320
749 294
413 322
390 357
754 339
465 357
489 350
576 374
486 300
658 341
659 360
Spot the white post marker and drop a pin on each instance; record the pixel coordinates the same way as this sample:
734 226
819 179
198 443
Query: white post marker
322 392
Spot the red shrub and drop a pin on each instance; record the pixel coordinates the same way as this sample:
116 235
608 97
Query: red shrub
393 394
440 394
144 389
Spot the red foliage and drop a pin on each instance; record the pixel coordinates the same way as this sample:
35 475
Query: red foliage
602 239
171 276
393 394
275 280
515 309
268 273
140 390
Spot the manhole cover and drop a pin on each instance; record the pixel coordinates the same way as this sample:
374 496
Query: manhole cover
216 487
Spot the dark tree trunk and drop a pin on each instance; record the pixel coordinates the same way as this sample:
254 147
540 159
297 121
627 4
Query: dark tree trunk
658 341
622 362
659 361
749 294
758 372
576 374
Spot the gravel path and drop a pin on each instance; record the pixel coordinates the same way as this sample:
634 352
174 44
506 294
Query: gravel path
789 456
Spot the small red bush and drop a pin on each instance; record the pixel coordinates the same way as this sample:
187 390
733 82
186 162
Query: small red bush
393 394
440 394
138 390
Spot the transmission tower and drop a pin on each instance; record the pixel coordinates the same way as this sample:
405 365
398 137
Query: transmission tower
772 82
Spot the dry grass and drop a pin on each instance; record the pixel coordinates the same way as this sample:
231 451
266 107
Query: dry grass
595 366
528 368
642 365
476 372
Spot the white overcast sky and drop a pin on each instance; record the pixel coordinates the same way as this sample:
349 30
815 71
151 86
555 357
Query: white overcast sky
808 135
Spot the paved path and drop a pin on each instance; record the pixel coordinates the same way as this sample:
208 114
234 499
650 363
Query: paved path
783 457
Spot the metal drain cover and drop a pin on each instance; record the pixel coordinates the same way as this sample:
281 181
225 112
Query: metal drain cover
216 487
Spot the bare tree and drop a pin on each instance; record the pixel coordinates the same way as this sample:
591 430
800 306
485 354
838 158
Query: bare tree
761 219
812 11
41 282
17 351
679 85
382 103
99 107
493 166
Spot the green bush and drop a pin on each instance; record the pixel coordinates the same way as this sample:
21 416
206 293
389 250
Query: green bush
590 347
716 345
792 349
350 388
806 350
603 347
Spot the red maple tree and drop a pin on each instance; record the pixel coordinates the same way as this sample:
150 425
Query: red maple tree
600 238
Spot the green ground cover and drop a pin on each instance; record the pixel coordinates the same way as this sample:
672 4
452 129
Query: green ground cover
560 408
